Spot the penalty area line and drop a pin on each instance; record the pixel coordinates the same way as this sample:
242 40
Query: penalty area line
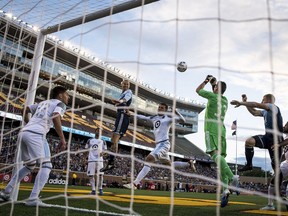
89 210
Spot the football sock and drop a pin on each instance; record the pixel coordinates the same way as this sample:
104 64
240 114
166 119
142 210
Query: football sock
24 171
225 171
100 181
271 192
92 183
111 159
40 181
179 164
249 153
142 174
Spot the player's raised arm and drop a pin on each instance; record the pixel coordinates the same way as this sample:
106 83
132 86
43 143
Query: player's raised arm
202 85
181 118
251 105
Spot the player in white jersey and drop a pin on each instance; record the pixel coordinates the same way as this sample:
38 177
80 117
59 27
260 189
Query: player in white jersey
97 148
283 174
161 124
33 146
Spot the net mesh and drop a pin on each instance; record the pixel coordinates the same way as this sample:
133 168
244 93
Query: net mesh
86 58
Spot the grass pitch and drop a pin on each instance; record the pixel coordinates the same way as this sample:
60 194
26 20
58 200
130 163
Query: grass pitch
118 202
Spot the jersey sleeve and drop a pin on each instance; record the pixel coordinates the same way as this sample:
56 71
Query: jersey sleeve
128 95
33 108
206 94
142 117
60 109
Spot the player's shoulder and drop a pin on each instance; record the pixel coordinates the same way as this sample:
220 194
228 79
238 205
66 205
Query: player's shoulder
153 117
59 103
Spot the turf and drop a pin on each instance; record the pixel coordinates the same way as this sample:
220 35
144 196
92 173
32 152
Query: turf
146 203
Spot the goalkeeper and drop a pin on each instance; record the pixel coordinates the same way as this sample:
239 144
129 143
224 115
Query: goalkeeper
214 118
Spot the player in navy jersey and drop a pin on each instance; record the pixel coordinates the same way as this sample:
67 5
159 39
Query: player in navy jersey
33 146
161 125
283 174
267 110
122 121
97 148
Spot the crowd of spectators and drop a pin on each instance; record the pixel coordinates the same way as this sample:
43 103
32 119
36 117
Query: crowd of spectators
123 163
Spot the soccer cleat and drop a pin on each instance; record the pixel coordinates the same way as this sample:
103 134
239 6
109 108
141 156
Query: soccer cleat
109 166
36 202
225 198
93 192
268 207
192 166
130 186
4 196
245 168
100 192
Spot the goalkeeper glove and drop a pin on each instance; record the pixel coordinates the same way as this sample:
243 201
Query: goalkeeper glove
208 78
213 81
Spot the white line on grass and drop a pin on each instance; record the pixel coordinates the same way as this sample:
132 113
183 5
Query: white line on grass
88 210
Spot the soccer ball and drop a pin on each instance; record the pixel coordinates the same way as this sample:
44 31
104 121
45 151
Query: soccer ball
182 66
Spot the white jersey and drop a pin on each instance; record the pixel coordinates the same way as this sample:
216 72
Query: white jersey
285 150
96 146
161 125
284 164
42 113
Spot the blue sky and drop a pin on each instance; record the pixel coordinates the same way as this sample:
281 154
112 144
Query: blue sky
148 42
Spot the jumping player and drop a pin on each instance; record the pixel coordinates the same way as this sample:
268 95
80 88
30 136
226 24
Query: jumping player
267 110
122 121
161 124
214 119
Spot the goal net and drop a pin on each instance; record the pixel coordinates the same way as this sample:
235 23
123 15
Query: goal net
89 47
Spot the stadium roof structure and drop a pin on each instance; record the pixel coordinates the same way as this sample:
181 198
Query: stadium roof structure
53 15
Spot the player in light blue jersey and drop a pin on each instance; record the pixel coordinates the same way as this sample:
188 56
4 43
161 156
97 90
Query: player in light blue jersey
97 148
122 121
161 125
33 146
268 110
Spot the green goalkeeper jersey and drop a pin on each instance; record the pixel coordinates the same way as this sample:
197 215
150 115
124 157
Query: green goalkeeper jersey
211 114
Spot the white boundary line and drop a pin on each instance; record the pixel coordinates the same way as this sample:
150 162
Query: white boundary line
88 210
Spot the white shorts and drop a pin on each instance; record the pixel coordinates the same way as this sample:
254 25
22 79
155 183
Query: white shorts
284 169
160 153
33 146
92 166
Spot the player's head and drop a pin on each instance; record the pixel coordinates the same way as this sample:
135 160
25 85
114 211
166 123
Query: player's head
125 84
162 108
220 87
268 98
97 132
285 128
60 93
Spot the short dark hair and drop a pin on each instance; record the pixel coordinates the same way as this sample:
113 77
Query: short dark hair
164 104
223 86
56 91
270 97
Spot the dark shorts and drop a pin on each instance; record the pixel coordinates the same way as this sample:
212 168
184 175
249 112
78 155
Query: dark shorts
265 141
121 123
